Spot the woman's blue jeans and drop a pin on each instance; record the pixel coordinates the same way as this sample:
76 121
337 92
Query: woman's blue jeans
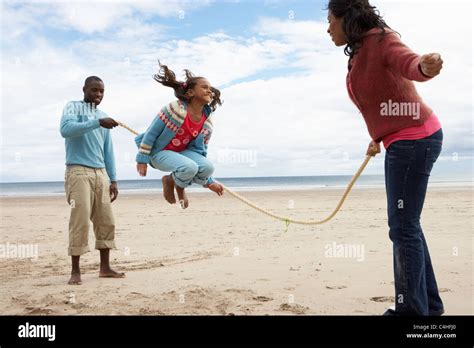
408 165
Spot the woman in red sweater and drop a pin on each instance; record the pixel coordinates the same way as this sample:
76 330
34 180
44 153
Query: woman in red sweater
380 77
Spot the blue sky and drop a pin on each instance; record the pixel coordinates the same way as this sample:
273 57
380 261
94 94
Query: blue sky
282 80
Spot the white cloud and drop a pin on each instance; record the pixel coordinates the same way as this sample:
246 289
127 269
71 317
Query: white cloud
299 123
88 16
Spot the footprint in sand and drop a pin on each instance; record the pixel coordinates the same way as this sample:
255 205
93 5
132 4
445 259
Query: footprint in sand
80 306
445 290
262 298
335 287
38 310
135 294
383 299
293 308
148 311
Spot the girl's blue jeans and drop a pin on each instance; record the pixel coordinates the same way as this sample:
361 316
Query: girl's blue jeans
186 167
408 165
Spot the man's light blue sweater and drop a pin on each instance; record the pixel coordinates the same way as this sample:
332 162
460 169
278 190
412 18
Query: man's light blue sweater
87 143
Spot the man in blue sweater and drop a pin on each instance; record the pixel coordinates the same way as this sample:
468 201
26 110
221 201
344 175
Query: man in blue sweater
90 180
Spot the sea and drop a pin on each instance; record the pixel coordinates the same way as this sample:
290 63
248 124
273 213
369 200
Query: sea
272 183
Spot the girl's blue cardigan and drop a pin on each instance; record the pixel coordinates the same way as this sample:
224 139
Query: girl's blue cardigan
164 128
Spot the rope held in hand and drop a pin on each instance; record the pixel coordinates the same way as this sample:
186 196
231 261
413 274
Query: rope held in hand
286 219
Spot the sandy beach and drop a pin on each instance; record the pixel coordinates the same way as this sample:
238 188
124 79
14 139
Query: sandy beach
221 257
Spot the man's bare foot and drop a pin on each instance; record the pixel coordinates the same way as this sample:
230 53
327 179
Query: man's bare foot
110 273
168 189
183 199
75 279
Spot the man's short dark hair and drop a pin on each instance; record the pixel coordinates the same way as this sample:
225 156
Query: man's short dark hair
92 78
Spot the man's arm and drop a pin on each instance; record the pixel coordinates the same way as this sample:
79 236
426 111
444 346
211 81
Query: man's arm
109 159
70 127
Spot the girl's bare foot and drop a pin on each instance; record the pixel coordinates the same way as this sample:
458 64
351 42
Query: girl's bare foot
168 189
75 279
183 199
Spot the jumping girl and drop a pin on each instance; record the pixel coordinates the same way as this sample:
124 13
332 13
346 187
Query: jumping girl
381 74
177 139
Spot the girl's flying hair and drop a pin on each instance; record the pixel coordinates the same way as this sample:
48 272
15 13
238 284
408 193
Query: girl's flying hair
167 77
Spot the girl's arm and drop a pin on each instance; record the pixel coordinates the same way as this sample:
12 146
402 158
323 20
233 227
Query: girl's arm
148 140
216 187
402 59
210 181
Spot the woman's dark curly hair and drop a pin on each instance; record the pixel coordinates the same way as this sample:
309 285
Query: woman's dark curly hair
358 17
167 78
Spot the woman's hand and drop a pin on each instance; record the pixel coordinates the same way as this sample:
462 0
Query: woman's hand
431 64
217 188
373 149
141 168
